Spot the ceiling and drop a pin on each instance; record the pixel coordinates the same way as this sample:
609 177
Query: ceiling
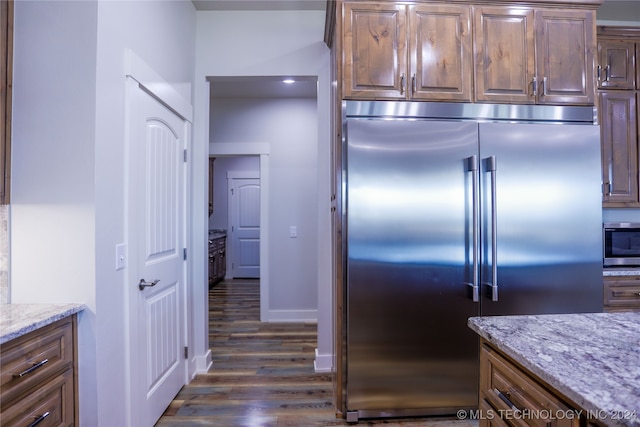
263 87
260 4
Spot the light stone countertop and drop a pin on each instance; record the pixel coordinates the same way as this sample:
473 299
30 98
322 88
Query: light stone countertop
617 271
19 319
216 234
593 358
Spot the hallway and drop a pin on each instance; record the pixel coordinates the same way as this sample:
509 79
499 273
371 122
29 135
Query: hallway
262 373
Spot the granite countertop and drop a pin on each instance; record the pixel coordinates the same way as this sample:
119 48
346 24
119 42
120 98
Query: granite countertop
19 319
592 358
621 271
215 234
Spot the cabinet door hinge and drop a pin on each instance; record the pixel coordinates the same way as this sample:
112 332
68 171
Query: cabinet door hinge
184 254
186 352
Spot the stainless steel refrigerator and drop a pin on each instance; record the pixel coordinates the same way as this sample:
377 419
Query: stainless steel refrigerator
453 211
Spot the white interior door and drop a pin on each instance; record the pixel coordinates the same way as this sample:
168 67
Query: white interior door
244 204
156 238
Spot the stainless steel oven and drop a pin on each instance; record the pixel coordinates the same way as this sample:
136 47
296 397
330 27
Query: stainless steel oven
621 241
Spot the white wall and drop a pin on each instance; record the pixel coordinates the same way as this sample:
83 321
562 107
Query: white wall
68 166
272 43
615 12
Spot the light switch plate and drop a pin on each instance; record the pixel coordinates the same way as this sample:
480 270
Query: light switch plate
293 231
121 256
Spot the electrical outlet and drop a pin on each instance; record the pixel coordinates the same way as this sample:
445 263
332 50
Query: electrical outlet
293 231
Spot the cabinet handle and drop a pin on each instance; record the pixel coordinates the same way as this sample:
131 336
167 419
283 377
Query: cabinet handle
402 77
31 369
620 294
492 168
39 419
506 400
544 86
414 87
599 73
534 86
472 166
607 72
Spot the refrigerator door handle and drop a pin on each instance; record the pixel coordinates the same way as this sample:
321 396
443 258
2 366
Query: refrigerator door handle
472 166
491 167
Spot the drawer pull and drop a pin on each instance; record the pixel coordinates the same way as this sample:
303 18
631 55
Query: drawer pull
31 369
506 400
624 293
39 419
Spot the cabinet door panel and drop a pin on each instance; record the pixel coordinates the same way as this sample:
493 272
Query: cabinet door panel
440 51
621 293
616 64
375 51
637 64
505 54
566 68
619 146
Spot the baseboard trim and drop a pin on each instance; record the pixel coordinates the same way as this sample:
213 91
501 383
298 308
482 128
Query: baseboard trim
292 316
323 363
201 364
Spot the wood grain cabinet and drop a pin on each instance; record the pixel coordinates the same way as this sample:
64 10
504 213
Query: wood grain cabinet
407 51
38 377
616 64
508 394
217 259
427 51
518 58
619 116
619 143
621 293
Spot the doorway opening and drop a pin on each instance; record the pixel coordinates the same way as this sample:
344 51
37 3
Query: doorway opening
235 213
277 123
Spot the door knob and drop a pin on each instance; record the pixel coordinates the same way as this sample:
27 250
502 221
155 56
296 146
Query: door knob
142 284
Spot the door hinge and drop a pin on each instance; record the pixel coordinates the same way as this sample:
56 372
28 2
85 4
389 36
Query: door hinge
184 254
185 155
186 352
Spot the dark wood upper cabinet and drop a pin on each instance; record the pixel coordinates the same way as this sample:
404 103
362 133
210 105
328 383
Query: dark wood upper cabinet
519 59
375 50
504 40
407 51
616 64
619 139
428 51
440 52
619 115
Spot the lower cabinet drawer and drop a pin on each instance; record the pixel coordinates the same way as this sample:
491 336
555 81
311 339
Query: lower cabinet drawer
516 398
27 361
621 294
50 405
489 417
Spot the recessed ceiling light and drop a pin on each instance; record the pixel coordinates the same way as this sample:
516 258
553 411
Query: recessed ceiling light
288 81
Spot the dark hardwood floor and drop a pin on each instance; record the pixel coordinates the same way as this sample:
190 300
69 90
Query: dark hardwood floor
262 374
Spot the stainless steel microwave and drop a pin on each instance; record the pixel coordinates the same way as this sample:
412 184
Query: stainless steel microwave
621 241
